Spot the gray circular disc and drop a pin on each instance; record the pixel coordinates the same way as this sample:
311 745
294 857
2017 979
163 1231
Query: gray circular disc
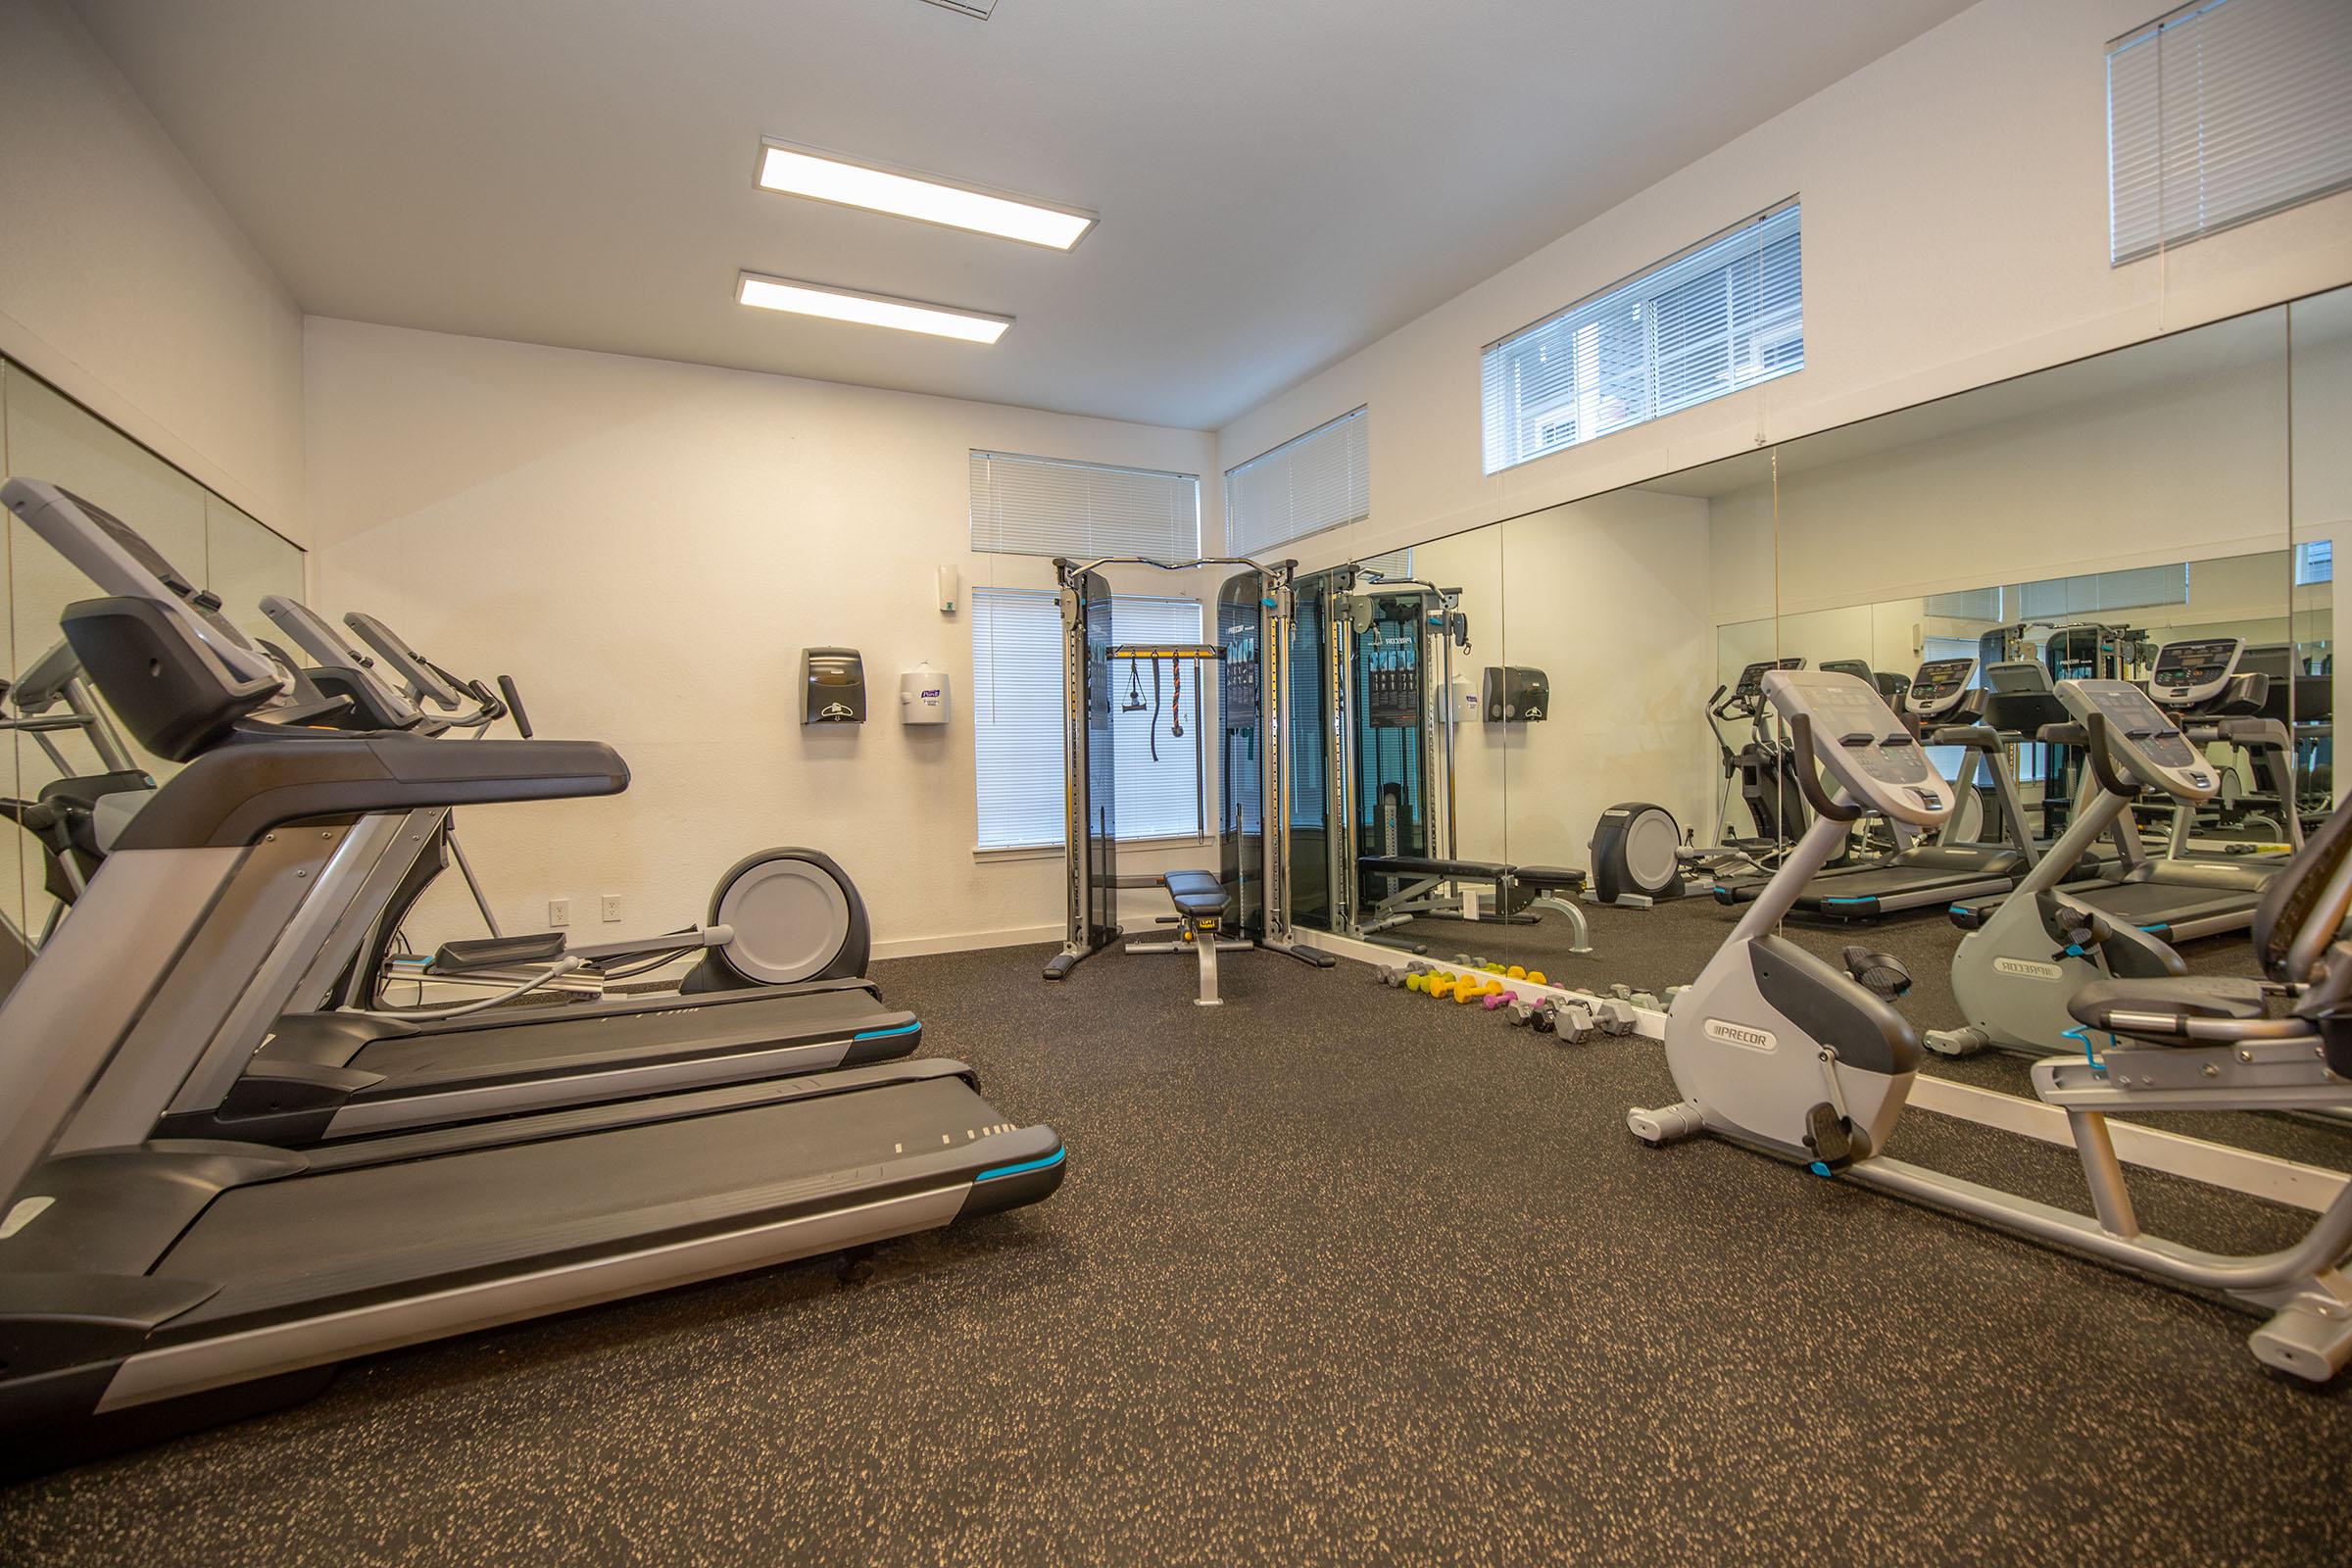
790 918
1650 843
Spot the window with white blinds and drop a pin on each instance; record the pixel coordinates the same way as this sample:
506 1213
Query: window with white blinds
1017 713
1725 314
1322 479
1050 506
2223 111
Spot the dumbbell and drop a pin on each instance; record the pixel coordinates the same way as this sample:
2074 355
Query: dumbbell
1573 1022
1616 1017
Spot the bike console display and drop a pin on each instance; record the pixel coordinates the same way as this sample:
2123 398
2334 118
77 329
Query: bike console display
2142 737
1850 731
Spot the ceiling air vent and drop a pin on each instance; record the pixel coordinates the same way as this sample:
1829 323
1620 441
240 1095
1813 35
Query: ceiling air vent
970 8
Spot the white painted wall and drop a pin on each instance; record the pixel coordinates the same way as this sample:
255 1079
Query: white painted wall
124 283
2173 451
1609 597
1955 233
2170 451
646 546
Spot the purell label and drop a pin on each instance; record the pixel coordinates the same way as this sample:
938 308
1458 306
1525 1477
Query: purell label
2029 968
1738 1033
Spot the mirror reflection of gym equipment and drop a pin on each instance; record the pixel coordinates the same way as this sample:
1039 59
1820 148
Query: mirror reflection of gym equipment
1397 707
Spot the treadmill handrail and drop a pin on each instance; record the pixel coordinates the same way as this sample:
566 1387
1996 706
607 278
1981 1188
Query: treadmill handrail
235 793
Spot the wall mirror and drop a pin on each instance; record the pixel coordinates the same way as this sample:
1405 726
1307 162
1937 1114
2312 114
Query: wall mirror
65 752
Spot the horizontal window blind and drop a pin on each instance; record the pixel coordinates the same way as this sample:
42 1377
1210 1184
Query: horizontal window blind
1049 507
2136 588
2224 112
1725 314
1322 479
1966 604
1018 715
2315 562
1395 565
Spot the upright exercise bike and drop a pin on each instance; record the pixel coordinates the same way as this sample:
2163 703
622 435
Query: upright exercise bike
1775 1047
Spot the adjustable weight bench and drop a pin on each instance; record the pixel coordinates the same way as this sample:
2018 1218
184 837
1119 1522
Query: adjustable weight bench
1417 886
1555 888
1200 901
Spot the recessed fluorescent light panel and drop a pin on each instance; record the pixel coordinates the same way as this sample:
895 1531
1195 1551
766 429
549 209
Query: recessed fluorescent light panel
829 178
970 8
868 310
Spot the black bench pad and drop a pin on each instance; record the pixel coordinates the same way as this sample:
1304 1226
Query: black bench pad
1543 878
1196 893
1422 865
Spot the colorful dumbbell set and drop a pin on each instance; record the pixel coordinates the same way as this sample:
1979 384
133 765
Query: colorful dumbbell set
1575 1019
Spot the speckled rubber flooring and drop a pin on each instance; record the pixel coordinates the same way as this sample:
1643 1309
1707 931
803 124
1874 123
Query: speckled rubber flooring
1340 1276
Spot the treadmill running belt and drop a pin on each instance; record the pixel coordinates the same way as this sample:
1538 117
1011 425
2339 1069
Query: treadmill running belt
563 1044
344 1238
1879 882
2160 906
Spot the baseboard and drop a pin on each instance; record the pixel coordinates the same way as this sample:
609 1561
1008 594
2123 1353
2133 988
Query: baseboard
965 942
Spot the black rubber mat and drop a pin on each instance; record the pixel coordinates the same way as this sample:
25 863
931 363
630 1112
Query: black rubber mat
1340 1276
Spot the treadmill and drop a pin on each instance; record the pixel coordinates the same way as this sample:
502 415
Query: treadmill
265 1070
1937 708
151 1285
2174 898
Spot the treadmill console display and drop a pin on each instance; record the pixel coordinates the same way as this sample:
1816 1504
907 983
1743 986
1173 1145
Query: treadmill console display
1864 745
1751 680
1939 686
2190 673
2142 737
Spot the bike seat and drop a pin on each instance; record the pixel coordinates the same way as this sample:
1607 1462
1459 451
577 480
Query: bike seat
2105 1005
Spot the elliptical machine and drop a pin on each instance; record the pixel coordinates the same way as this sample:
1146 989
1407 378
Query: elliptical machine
1640 855
782 916
1774 1048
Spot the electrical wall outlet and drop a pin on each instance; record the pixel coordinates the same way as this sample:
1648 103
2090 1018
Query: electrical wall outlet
559 912
612 905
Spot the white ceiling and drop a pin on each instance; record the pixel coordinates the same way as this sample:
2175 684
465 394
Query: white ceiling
1280 182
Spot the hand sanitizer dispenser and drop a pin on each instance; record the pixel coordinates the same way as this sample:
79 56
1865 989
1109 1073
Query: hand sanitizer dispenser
923 697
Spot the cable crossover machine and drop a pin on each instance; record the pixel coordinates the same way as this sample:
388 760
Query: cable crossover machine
1246 902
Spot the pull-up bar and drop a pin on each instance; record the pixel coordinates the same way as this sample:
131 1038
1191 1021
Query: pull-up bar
1166 651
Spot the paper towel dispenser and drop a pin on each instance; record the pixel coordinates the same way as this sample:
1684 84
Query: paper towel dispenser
1516 694
832 686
